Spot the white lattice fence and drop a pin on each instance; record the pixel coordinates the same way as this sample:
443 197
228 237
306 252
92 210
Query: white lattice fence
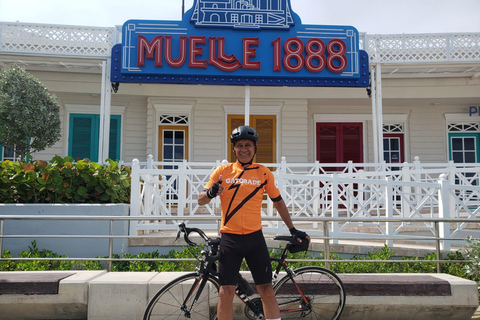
56 39
425 48
97 42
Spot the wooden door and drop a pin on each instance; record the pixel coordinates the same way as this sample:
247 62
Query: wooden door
265 125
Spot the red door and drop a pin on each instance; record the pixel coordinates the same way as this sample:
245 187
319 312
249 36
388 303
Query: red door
339 142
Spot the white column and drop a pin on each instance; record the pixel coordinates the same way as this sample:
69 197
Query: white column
379 111
247 105
102 112
374 116
108 103
135 197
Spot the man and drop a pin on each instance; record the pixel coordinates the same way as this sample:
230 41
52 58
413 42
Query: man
241 186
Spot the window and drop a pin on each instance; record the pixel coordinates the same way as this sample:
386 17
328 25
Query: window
84 135
8 153
464 142
174 143
464 148
392 149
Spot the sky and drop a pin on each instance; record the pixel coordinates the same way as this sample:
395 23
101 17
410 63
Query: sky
370 16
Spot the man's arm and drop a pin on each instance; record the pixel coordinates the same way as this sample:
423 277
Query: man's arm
203 199
285 215
283 212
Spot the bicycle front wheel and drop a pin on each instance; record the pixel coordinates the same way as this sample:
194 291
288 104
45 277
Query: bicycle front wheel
310 293
176 300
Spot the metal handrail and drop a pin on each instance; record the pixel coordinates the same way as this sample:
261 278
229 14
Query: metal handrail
325 221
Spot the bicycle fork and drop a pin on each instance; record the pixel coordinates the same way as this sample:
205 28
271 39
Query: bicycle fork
201 281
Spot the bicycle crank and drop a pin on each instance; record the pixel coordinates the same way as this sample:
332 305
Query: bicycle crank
256 314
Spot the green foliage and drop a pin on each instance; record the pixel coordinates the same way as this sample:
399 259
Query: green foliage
64 181
36 265
472 269
158 266
414 266
29 114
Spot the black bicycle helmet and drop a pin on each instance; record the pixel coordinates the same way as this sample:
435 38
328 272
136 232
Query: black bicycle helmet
244 132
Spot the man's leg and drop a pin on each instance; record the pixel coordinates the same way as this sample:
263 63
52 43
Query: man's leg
225 302
270 305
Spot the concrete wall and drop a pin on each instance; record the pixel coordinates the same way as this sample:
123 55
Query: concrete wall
71 247
97 295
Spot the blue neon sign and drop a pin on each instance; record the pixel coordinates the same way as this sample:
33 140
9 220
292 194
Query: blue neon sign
239 42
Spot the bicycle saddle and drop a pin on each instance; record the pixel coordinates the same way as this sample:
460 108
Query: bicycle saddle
294 245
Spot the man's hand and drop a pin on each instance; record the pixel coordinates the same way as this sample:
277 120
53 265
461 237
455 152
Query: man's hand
216 189
300 235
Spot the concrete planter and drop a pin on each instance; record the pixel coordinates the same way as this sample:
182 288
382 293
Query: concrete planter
62 244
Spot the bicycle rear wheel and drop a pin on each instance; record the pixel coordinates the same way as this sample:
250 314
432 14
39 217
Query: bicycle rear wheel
176 299
313 293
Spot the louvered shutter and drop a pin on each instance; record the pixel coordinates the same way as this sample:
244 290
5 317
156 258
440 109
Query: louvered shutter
114 140
83 137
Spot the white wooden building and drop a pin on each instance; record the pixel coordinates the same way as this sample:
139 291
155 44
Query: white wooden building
427 98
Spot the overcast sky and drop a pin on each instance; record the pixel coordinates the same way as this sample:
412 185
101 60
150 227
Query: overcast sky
371 16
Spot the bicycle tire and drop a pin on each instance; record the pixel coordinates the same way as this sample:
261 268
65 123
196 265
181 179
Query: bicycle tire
325 305
167 302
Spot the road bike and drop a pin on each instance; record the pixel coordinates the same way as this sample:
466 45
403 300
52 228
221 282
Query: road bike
305 293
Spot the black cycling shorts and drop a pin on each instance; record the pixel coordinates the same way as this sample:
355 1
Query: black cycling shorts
253 248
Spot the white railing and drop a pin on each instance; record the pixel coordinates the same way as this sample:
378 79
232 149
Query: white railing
312 190
422 48
46 39
87 42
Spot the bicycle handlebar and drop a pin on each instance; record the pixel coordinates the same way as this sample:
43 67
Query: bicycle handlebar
213 243
187 231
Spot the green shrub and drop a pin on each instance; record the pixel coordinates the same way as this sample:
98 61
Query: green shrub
36 265
472 269
62 180
414 266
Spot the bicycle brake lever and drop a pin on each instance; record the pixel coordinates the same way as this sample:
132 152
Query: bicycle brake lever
178 235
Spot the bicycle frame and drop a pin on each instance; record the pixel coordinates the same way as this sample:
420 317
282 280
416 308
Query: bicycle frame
206 269
289 287
281 265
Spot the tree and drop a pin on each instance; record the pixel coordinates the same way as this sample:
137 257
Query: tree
29 113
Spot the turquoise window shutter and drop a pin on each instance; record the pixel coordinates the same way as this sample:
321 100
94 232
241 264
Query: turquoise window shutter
114 139
84 135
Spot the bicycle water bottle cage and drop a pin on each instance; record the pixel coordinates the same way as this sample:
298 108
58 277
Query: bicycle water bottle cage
245 286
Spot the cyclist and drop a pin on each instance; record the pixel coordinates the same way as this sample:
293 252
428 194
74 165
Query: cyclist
241 186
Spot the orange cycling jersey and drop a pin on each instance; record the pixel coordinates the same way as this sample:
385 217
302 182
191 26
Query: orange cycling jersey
241 200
